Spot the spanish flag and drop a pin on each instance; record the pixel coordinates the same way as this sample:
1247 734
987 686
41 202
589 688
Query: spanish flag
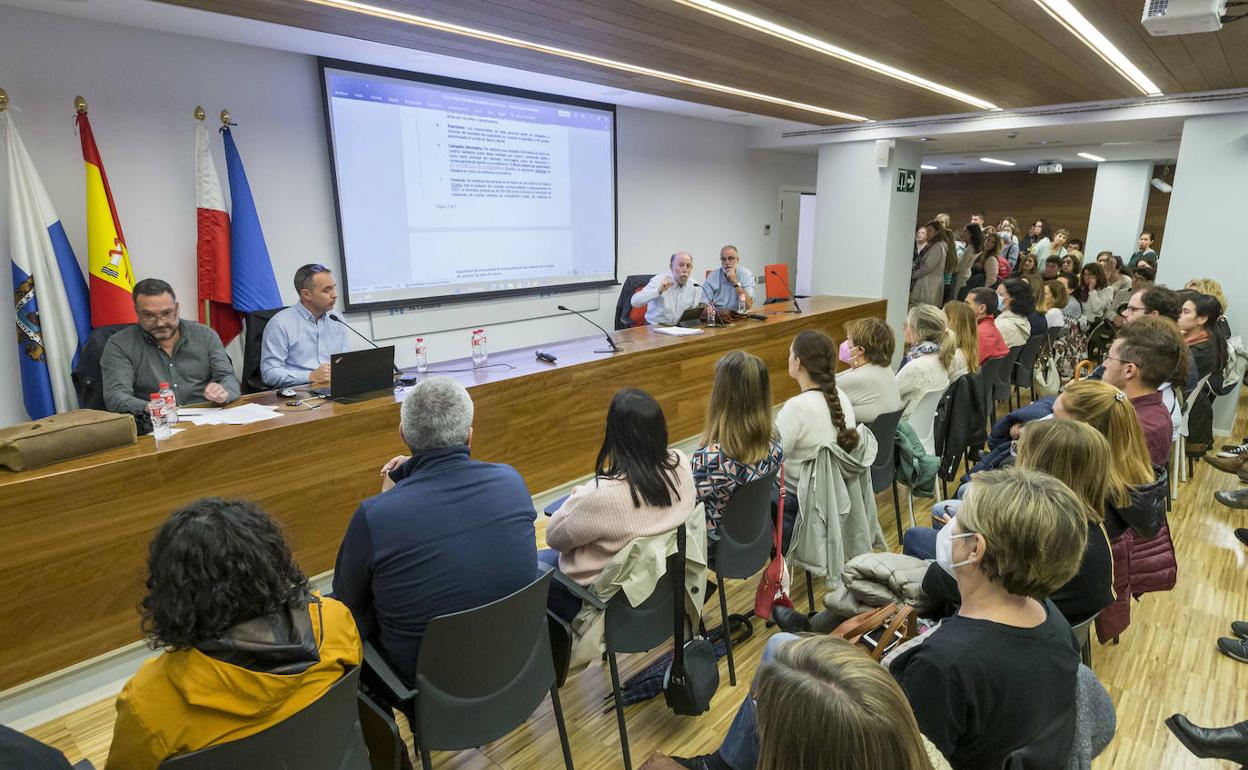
108 260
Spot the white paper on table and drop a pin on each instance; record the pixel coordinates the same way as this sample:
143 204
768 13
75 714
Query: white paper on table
247 414
199 419
676 331
198 410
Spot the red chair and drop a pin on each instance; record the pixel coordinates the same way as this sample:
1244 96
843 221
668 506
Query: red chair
776 288
625 314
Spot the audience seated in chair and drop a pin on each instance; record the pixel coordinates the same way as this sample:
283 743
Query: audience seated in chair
983 302
869 384
640 489
447 533
1146 354
246 642
930 356
961 321
1016 302
740 442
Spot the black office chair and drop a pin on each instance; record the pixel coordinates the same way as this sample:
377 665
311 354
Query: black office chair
884 468
480 673
87 375
988 373
381 735
253 342
1003 384
631 629
1083 634
624 305
324 736
1025 367
743 540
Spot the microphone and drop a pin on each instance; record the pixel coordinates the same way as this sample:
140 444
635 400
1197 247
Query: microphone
714 310
614 347
796 308
405 378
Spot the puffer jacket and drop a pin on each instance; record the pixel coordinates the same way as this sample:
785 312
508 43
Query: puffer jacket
872 580
1141 565
1036 410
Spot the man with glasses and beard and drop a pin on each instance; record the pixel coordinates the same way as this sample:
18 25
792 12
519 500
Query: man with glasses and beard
162 347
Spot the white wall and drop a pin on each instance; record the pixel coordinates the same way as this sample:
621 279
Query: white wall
684 183
1119 201
1210 188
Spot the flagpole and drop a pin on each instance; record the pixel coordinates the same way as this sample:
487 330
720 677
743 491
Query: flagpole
4 100
200 115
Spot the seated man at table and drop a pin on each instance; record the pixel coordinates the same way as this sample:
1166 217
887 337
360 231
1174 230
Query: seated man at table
731 287
446 534
669 294
162 347
299 340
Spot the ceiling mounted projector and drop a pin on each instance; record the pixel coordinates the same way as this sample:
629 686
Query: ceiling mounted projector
1182 17
1161 185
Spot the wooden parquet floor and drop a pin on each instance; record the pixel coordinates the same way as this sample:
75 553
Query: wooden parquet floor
1166 662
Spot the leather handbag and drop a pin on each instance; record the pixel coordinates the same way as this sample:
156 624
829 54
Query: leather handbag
62 437
772 586
693 677
1045 377
881 629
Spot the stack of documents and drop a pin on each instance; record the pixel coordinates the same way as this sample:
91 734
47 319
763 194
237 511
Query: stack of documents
238 415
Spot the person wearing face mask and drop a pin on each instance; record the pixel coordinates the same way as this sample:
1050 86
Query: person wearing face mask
869 383
1015 301
669 294
1007 232
162 347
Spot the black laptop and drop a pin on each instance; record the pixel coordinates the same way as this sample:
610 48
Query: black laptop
360 374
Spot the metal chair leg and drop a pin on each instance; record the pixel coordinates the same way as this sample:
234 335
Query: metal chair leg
910 502
563 728
810 591
619 710
897 510
727 629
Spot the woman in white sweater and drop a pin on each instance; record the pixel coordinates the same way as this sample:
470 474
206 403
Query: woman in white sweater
640 488
929 358
1017 301
869 384
818 415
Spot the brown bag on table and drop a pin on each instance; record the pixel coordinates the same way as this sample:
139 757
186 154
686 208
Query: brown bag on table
898 624
62 437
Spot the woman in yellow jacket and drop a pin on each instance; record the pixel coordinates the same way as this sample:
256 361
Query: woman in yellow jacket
247 644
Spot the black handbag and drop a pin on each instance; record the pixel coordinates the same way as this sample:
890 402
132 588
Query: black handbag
693 677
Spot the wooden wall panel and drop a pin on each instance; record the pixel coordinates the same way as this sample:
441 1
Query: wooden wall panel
1064 199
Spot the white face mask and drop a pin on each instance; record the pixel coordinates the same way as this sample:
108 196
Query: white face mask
944 547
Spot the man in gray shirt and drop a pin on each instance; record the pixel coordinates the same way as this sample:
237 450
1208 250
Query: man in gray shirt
161 347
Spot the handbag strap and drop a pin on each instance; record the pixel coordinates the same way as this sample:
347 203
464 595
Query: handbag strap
678 584
780 514
904 614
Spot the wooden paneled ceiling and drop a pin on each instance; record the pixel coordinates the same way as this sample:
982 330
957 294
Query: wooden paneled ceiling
1008 52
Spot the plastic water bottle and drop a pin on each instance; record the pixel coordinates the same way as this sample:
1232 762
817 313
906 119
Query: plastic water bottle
171 403
479 353
156 410
422 357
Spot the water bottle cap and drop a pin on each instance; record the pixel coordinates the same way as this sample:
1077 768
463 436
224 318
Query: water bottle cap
164 385
155 397
420 339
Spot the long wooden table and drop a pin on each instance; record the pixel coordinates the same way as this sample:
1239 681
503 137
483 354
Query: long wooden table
74 536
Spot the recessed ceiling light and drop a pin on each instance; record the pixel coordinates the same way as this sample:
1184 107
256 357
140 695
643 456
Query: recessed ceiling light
996 162
1078 25
600 61
926 167
822 46
1090 156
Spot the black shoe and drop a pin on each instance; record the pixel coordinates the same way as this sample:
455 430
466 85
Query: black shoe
704 762
1240 628
1242 534
789 619
1234 648
1212 743
1237 498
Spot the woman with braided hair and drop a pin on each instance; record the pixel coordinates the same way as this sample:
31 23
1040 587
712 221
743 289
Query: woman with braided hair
817 415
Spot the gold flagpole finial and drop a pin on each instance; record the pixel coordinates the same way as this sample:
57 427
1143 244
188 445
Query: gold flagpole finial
4 100
80 105
225 117
199 113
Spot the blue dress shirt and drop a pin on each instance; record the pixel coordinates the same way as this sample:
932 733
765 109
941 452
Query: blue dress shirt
723 294
295 343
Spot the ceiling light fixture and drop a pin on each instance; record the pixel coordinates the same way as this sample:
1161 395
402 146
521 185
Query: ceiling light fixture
1090 156
996 162
926 167
1078 25
492 37
822 46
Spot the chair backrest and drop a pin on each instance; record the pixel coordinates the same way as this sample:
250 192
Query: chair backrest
1024 366
646 626
253 342
884 468
745 530
988 373
923 419
1001 386
1055 333
386 749
483 671
776 286
324 736
1190 403
87 375
627 316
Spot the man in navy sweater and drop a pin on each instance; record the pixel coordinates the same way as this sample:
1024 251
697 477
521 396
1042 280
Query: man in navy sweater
446 534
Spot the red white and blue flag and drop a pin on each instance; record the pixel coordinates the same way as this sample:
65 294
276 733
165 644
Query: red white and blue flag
49 291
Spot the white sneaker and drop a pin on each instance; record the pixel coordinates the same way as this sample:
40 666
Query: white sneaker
1238 451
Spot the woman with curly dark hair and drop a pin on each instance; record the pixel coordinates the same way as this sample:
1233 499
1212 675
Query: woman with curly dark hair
246 642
